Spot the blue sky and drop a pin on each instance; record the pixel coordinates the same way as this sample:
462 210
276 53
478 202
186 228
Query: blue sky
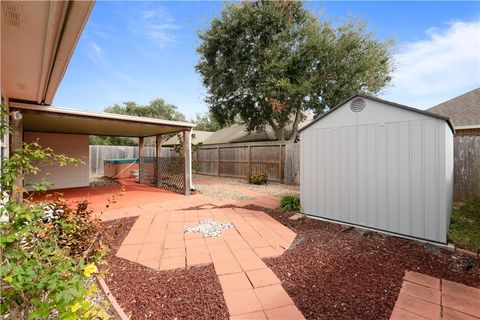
139 51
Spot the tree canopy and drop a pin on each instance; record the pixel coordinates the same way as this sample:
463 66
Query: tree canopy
268 61
157 108
206 122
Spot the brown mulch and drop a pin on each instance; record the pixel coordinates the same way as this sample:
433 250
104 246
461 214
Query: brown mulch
192 293
334 272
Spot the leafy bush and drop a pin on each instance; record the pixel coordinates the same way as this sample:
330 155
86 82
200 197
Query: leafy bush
465 226
260 177
290 203
48 251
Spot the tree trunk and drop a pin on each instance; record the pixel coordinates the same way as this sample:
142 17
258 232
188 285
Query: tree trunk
295 125
278 129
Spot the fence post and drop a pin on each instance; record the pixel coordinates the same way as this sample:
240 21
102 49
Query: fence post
141 154
218 161
249 164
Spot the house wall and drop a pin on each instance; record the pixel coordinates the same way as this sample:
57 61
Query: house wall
385 168
71 145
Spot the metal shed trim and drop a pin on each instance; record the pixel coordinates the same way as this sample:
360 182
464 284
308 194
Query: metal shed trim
365 96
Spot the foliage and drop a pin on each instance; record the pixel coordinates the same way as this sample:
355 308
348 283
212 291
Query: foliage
157 109
206 122
268 61
290 203
195 147
465 226
47 250
260 177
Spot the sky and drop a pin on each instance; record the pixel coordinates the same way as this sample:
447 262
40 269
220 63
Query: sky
139 51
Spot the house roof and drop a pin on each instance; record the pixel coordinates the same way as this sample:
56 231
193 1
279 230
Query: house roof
239 133
393 104
38 40
62 120
199 137
464 110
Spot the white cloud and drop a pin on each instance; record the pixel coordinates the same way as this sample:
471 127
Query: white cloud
96 54
438 68
156 24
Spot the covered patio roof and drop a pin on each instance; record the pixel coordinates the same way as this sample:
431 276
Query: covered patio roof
61 120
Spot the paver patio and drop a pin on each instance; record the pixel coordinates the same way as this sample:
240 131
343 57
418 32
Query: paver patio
424 297
157 240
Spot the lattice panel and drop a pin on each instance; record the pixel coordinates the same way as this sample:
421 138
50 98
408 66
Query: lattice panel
164 172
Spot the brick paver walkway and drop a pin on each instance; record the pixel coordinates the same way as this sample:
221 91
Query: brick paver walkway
251 290
424 297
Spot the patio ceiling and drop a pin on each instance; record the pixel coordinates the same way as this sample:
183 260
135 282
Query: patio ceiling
61 120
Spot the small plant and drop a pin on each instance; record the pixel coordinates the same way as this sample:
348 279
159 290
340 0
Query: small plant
260 177
290 203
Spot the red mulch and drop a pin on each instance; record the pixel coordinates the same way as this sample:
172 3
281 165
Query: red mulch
192 293
332 273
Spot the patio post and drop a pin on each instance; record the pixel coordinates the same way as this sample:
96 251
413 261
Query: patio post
158 154
141 153
187 150
16 140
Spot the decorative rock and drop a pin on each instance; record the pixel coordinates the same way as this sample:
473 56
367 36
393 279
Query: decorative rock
296 216
209 228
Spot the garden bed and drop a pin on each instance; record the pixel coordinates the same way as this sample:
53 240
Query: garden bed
143 293
334 272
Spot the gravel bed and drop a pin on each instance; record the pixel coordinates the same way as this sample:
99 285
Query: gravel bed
332 272
220 193
272 188
209 228
143 293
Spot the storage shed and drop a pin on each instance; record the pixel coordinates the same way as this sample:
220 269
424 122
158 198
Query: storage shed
380 165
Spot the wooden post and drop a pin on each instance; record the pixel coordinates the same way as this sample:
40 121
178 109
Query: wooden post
158 145
16 140
158 154
187 149
141 154
280 163
218 161
249 163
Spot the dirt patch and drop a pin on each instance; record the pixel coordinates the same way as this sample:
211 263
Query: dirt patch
333 272
192 293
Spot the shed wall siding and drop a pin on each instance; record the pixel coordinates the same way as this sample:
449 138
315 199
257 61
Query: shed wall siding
384 174
71 145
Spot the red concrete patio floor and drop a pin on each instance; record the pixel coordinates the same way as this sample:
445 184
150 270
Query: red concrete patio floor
424 297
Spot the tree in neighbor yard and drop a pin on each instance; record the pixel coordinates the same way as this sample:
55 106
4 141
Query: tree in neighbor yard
157 108
269 61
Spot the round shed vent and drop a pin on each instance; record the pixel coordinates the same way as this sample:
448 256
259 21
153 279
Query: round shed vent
357 105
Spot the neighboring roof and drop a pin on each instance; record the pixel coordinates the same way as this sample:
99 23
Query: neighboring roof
199 137
464 110
393 104
38 40
62 120
239 133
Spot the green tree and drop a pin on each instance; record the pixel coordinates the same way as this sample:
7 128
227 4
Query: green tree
206 122
268 61
157 108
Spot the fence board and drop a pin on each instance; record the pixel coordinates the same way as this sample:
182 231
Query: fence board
292 163
466 168
100 153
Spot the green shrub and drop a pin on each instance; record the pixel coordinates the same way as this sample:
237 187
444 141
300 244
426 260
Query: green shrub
260 177
290 203
465 226
48 251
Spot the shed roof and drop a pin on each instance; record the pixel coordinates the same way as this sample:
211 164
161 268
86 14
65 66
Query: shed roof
464 110
393 104
63 120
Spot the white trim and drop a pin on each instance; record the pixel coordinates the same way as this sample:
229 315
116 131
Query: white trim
100 115
475 126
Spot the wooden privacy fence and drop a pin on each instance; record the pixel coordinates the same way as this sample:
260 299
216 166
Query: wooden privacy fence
240 160
100 153
466 181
